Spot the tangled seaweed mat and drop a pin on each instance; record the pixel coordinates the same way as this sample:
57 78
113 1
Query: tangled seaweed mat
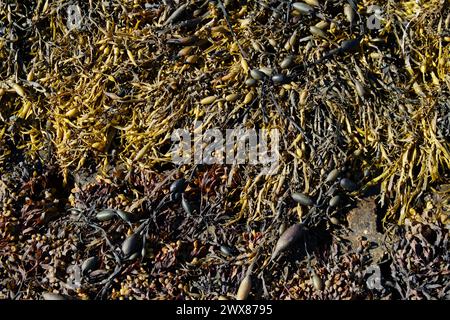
99 102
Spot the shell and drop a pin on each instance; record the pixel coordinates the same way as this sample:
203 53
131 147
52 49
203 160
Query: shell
302 199
289 237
